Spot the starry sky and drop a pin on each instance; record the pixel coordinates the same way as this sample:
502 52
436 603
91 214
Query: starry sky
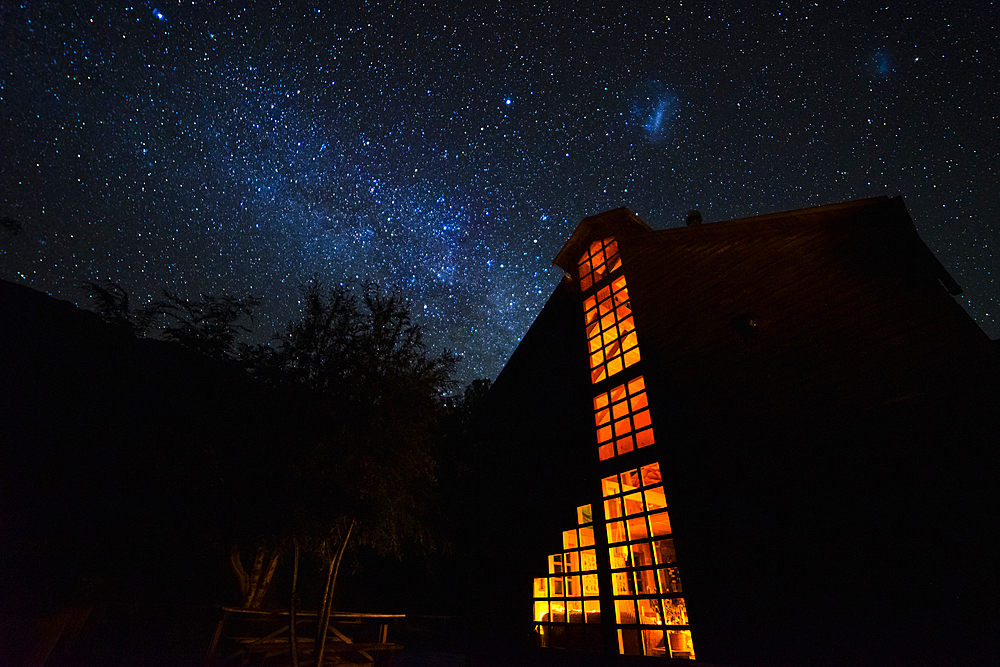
448 150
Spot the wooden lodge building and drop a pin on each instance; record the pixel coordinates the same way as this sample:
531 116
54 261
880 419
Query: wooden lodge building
759 441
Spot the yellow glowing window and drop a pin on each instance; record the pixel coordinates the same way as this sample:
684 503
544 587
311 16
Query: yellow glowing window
555 564
625 611
621 583
541 610
558 611
616 532
556 586
572 561
621 416
655 499
592 608
637 528
573 589
611 339
588 560
541 587
680 644
590 588
674 612
574 611
619 556
587 536
600 260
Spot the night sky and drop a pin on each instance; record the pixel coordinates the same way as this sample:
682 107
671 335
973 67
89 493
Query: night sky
447 151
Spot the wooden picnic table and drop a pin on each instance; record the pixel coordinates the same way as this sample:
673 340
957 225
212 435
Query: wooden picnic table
265 632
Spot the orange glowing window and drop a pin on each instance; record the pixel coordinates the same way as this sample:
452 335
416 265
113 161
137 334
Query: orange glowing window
659 524
609 486
569 539
587 536
584 515
600 260
622 419
572 561
541 587
611 338
588 560
619 556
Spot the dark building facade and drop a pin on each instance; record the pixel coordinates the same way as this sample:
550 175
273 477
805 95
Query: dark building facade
790 414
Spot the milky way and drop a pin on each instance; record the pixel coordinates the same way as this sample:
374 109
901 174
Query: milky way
447 152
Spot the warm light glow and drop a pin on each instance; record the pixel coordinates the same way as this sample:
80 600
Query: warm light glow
643 581
622 419
611 338
598 262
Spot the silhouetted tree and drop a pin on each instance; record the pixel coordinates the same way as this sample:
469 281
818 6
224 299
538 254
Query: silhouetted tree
113 306
210 325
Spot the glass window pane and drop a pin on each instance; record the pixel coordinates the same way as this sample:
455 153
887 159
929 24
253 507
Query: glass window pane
633 503
664 551
624 445
592 610
674 612
597 375
613 508
632 356
630 480
642 554
588 560
590 587
638 402
569 539
619 556
621 583
619 410
651 474
541 588
649 612
625 611
605 452
558 611
637 529
615 365
655 499
556 587
555 564
589 303
618 284
670 580
574 611
584 515
573 589
616 532
652 643
603 293
644 438
659 523
680 644
629 642
541 611
572 561
600 401
587 536
603 434
609 485
645 582
618 393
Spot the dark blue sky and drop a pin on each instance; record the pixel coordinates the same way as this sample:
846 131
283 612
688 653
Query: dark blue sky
448 150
